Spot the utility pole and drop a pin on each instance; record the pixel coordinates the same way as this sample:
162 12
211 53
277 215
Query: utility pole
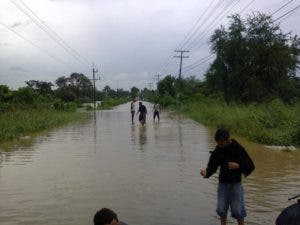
150 86
157 78
181 57
94 82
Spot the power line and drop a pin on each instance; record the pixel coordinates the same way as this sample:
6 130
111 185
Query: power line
197 62
204 60
55 33
282 7
213 22
241 11
289 13
41 26
250 3
191 34
184 42
33 44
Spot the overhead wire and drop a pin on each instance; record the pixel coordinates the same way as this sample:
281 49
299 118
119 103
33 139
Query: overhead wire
210 27
195 25
282 7
247 6
202 62
197 64
197 61
55 39
191 33
55 33
287 14
219 3
33 44
207 58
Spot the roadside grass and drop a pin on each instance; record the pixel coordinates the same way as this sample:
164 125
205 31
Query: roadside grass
17 123
109 103
271 123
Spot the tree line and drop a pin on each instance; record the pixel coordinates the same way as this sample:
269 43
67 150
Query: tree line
76 88
255 62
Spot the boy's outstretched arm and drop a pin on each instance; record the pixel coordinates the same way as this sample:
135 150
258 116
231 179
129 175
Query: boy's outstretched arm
212 165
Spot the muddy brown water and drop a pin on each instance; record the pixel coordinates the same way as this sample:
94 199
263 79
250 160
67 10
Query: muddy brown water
148 175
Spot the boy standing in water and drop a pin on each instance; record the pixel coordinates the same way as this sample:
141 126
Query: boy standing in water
132 110
233 161
156 112
143 112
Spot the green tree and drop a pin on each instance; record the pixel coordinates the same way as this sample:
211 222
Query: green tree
76 87
42 87
5 93
255 60
134 92
167 86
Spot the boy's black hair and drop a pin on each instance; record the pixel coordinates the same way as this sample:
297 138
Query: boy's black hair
222 134
104 216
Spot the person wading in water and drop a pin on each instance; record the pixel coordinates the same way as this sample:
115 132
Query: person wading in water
132 110
156 109
143 112
233 161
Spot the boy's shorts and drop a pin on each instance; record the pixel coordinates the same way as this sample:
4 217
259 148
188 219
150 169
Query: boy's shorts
231 194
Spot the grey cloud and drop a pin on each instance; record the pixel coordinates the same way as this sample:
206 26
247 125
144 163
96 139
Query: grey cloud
18 69
4 44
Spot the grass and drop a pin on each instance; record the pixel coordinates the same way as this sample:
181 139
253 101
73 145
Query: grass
109 103
271 123
18 123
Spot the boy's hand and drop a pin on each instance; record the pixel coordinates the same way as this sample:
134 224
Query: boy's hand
233 165
203 173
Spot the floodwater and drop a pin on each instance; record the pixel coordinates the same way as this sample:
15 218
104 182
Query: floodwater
148 175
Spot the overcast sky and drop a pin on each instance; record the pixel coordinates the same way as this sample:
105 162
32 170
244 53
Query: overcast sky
129 41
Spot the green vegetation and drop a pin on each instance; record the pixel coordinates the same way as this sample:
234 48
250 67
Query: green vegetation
255 61
268 123
18 123
250 88
109 103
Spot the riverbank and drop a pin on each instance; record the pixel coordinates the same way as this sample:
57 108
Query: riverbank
271 123
18 123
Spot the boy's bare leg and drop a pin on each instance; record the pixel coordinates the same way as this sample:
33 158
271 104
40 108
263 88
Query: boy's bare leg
223 220
240 222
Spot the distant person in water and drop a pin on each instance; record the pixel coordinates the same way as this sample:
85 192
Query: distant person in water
132 110
156 110
143 112
106 216
233 161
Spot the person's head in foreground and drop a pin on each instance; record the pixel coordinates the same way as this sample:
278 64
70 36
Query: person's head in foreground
106 216
222 137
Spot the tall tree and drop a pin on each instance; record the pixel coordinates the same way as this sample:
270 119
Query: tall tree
167 86
134 92
254 61
75 87
42 87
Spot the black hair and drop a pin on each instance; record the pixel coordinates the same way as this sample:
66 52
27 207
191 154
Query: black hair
104 216
221 134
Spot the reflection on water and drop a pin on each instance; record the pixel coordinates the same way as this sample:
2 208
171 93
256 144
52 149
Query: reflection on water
148 174
142 136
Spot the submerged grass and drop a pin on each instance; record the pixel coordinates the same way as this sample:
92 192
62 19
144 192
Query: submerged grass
271 123
18 123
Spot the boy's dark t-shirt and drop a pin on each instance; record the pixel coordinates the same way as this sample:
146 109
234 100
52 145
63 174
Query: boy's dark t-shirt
142 109
233 152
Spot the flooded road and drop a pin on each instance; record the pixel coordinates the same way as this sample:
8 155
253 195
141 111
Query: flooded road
148 175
